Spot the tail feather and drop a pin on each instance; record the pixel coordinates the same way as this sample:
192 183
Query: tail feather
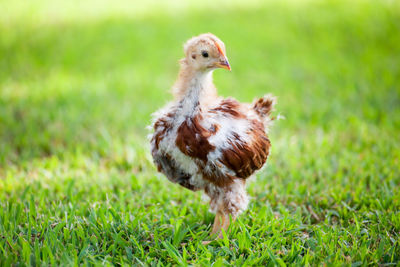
264 106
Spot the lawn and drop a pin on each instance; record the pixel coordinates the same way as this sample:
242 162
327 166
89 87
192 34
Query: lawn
79 80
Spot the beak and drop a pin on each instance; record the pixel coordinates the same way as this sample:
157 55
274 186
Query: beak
223 63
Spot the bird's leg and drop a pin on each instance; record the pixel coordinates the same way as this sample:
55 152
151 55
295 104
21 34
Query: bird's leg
221 221
218 223
226 221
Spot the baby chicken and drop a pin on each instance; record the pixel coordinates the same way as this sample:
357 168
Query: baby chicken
204 142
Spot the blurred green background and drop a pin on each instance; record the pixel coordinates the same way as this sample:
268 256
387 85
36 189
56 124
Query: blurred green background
79 80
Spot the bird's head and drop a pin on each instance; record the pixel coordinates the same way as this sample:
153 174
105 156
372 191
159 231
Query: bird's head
206 52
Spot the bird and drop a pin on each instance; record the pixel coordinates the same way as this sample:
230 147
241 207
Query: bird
202 141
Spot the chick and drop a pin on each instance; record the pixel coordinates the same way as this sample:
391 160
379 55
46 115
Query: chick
204 142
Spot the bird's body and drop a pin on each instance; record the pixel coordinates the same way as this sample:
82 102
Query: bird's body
204 142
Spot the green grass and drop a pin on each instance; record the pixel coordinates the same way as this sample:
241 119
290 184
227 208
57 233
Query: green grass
78 83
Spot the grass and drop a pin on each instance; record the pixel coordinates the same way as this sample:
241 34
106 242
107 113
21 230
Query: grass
78 83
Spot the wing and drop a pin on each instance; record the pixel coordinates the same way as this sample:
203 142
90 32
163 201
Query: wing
245 156
226 142
244 146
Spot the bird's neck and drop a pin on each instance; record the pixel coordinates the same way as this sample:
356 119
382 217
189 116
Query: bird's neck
194 89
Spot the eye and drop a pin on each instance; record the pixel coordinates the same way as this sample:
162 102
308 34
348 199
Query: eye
204 54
